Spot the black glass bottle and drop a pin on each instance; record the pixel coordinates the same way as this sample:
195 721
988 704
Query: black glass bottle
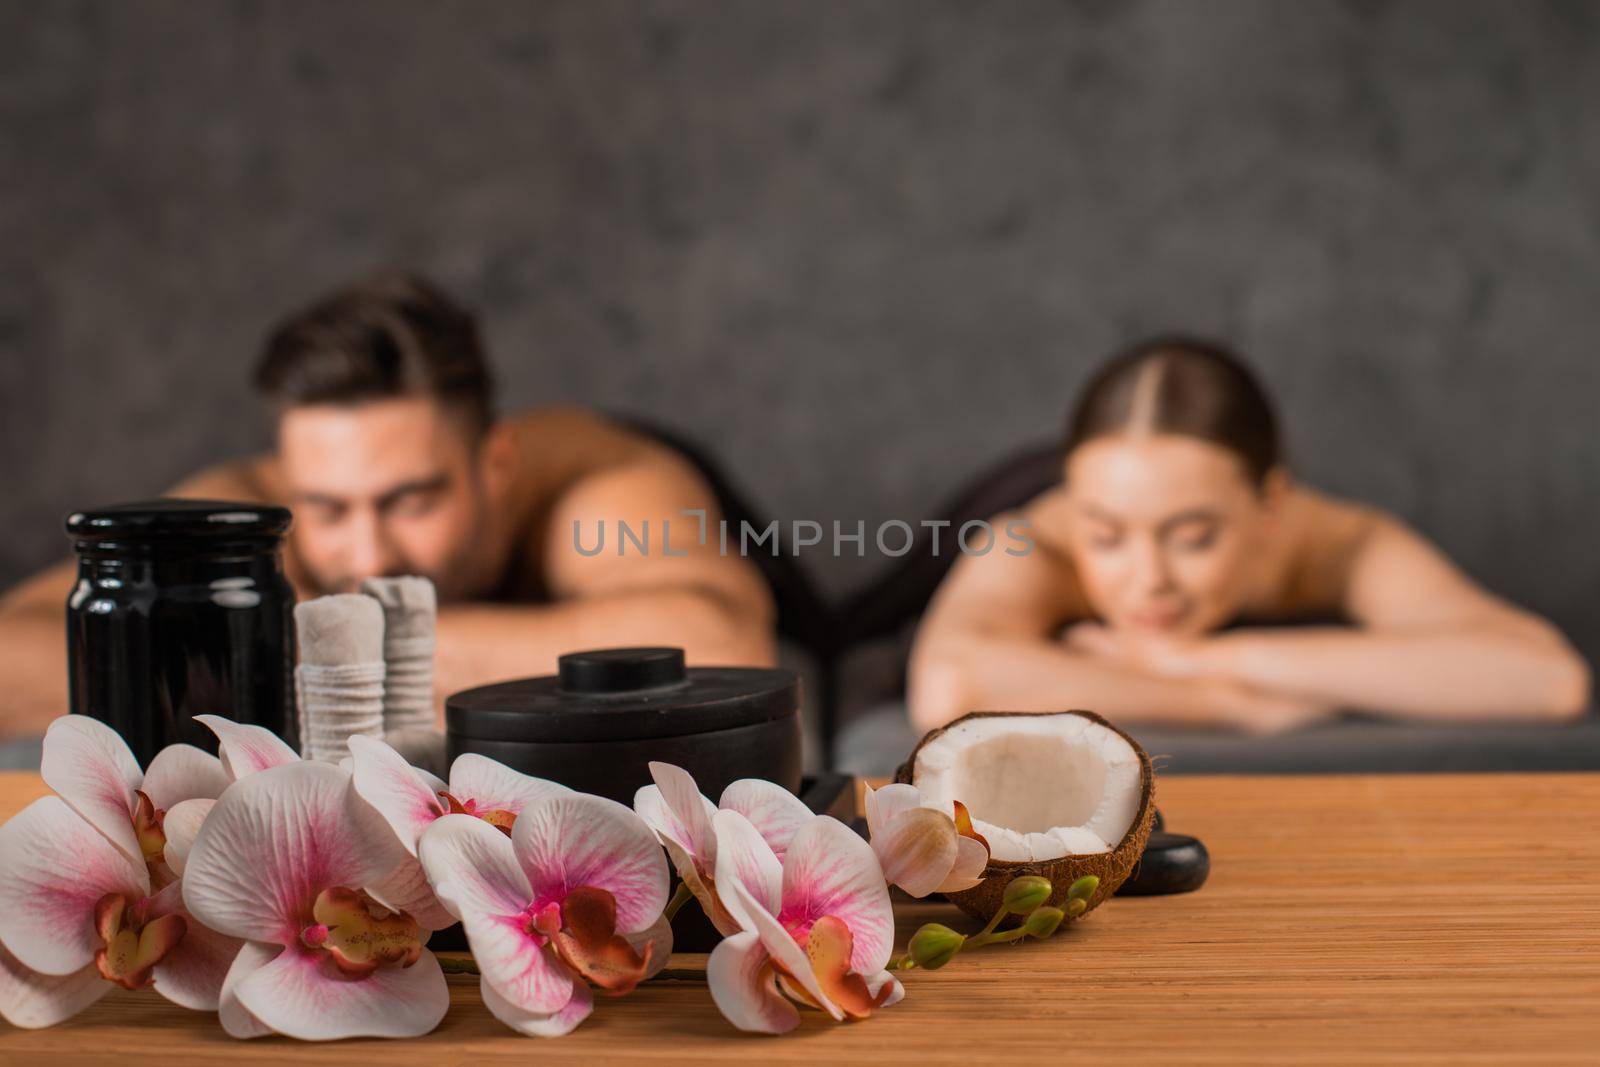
181 609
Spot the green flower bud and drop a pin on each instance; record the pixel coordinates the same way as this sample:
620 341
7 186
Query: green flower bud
1026 893
1077 907
1083 888
934 945
1043 922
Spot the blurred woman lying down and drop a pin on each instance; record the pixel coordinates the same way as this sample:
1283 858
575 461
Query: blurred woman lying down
1174 551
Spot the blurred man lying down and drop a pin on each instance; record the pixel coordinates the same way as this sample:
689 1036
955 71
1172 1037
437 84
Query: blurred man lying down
1173 551
389 454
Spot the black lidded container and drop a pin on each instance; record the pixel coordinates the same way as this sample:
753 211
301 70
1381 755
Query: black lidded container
181 609
597 725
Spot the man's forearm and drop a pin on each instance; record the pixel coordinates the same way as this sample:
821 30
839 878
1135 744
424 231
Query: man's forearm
1467 674
482 643
972 672
33 681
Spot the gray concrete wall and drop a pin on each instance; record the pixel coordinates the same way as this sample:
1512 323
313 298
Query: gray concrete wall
860 249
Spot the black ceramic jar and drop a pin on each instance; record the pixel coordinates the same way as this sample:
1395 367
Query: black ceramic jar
597 725
181 609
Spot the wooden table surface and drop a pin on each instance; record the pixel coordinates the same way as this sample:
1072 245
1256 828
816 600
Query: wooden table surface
1360 919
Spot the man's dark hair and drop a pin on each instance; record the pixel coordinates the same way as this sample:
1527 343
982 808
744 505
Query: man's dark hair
393 334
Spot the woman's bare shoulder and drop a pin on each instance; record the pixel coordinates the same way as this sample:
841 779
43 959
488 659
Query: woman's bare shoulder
1033 575
1322 536
1046 516
1322 520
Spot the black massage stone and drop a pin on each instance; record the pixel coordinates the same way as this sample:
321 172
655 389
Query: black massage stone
1171 863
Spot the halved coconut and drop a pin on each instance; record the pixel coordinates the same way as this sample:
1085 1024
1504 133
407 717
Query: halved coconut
1059 794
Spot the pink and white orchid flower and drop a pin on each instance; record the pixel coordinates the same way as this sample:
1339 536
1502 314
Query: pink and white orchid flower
247 749
819 926
683 819
244 748
923 849
286 860
78 915
411 799
90 766
574 896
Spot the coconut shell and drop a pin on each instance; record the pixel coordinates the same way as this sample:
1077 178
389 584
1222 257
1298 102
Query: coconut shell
1112 868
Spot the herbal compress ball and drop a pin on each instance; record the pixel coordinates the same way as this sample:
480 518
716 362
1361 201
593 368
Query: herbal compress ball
1058 794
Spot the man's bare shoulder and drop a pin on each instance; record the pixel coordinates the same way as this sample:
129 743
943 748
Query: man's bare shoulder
253 479
568 430
567 451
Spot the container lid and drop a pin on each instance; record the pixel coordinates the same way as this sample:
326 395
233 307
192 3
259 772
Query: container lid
178 520
620 694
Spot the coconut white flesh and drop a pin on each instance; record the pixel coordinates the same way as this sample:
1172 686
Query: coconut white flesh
1037 787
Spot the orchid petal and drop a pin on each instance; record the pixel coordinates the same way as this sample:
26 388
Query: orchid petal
89 766
881 805
651 806
245 748
525 973
406 889
273 841
183 772
709 904
829 946
658 937
588 942
972 857
305 996
539 1024
192 973
180 825
688 814
741 978
581 840
473 868
786 953
831 871
475 872
875 986
395 789
744 856
682 862
236 1020
964 823
54 868
495 786
31 1000
916 848
774 811
435 784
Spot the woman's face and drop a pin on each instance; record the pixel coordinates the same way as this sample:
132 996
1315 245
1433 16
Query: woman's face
1162 528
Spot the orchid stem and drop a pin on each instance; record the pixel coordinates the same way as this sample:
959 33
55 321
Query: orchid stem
679 899
979 940
983 935
458 965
